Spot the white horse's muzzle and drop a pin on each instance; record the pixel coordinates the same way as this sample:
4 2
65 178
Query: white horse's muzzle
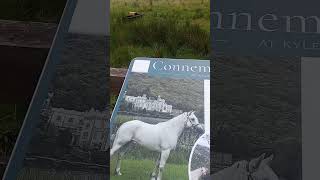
198 127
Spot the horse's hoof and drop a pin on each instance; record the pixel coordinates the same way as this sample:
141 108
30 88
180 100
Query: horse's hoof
118 173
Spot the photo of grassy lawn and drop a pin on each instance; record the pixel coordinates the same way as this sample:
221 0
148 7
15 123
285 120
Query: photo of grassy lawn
170 29
141 169
142 160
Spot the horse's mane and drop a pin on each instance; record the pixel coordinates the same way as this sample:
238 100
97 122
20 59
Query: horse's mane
174 118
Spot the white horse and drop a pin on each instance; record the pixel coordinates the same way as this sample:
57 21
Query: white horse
161 137
256 169
198 173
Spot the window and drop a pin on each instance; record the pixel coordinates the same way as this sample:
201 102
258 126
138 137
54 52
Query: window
85 135
96 135
87 125
58 119
70 120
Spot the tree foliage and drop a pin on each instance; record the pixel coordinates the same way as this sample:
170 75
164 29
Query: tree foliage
81 80
256 103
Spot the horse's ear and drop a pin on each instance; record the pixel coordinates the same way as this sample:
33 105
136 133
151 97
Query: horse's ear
255 163
268 160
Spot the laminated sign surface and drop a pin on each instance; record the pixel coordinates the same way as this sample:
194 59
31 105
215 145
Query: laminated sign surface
160 126
266 89
64 133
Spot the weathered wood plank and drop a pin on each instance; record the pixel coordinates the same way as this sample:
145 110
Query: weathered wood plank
117 76
118 72
26 34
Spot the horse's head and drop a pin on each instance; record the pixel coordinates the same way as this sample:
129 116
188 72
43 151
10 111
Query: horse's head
192 121
204 171
259 169
256 169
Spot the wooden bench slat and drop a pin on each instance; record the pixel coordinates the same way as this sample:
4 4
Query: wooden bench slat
27 34
118 72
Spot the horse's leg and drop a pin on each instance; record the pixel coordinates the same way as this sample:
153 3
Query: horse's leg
164 156
122 151
156 167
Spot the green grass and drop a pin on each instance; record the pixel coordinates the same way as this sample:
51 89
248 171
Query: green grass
176 29
141 170
113 100
123 118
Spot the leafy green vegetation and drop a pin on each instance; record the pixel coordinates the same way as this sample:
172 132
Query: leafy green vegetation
175 29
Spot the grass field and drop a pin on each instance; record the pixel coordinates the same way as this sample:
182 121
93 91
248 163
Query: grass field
176 29
141 170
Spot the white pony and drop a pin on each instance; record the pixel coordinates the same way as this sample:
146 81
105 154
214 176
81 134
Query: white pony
256 169
198 173
161 137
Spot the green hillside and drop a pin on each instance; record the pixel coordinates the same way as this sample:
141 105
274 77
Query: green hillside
184 94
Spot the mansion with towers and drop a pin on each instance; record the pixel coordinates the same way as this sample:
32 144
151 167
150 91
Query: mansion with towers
88 128
148 104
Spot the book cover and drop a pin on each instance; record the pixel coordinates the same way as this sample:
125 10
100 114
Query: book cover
265 89
162 111
64 134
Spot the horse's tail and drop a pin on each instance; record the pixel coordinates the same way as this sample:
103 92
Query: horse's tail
114 138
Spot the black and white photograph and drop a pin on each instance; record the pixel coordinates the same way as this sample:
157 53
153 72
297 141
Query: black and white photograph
199 162
71 138
257 125
158 121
